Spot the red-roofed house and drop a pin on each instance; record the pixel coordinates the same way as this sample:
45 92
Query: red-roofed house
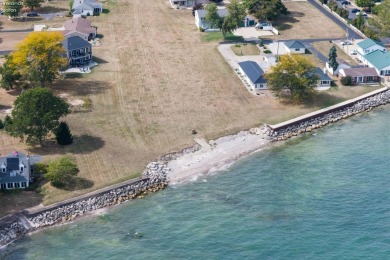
80 27
360 75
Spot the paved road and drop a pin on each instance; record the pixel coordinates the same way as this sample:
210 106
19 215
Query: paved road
5 52
352 33
313 50
23 30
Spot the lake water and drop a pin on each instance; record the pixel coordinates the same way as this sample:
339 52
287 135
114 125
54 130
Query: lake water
321 196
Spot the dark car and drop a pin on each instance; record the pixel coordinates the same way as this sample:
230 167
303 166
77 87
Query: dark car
346 3
355 10
32 14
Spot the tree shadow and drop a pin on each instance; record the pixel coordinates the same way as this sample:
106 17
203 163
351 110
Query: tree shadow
323 100
100 36
82 144
51 9
105 11
77 183
285 21
73 75
79 88
2 107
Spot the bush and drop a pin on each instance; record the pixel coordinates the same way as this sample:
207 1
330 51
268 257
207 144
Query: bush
7 122
1 124
59 171
63 134
346 81
267 52
87 105
40 168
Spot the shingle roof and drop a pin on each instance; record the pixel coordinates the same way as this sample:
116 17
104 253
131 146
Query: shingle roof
360 72
79 25
367 43
322 75
378 59
221 12
253 71
75 42
294 44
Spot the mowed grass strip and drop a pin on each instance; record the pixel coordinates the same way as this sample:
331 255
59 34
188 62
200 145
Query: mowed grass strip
245 49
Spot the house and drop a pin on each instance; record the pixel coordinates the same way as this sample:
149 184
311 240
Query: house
270 59
367 46
254 75
380 61
15 171
361 75
324 80
187 3
86 8
78 50
337 71
80 27
294 47
200 19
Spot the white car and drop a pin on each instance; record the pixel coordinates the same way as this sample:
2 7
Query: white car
363 13
353 52
346 43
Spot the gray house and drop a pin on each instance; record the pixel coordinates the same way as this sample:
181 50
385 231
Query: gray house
86 8
15 171
78 50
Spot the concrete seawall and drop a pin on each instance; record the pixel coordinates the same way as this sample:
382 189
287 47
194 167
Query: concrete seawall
320 118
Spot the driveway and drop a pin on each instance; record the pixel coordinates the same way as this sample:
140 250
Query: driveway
251 34
351 33
233 59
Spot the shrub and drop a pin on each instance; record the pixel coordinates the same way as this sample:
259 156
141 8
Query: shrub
201 29
40 168
1 124
267 52
7 122
346 81
87 105
63 134
59 171
237 45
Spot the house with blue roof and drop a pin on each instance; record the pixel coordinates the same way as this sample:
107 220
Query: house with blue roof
78 51
15 171
324 81
379 60
295 47
254 75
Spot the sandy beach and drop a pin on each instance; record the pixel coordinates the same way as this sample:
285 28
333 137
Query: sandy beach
219 154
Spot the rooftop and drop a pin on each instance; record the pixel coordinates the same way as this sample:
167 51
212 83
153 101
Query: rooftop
378 59
361 72
322 75
294 44
75 42
253 71
367 43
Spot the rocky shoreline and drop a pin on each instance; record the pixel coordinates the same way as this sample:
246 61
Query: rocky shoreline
155 177
309 125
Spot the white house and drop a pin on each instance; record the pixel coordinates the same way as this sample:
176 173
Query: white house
367 46
254 75
295 47
265 26
15 171
324 81
380 61
200 19
337 71
86 8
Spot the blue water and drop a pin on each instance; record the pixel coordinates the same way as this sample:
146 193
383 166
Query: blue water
321 196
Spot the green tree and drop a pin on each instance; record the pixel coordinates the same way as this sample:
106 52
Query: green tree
1 124
9 74
346 81
212 16
60 170
382 22
365 3
40 168
7 122
63 134
70 5
359 21
32 3
294 75
36 113
265 9
333 58
39 57
11 8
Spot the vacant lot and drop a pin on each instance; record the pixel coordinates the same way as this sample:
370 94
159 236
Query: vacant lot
245 49
325 46
306 22
157 81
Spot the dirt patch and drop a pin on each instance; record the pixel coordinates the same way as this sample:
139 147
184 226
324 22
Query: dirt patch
245 49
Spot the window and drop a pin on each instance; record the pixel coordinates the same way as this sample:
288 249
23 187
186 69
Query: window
10 185
24 185
4 169
2 185
261 85
17 185
297 49
21 169
369 78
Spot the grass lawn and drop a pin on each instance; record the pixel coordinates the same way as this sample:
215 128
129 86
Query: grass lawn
324 47
217 36
245 49
156 81
305 22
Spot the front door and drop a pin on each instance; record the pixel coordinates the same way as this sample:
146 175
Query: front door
360 79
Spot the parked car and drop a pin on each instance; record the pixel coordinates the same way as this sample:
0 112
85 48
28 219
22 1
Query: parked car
346 3
355 10
363 13
32 14
353 52
346 43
